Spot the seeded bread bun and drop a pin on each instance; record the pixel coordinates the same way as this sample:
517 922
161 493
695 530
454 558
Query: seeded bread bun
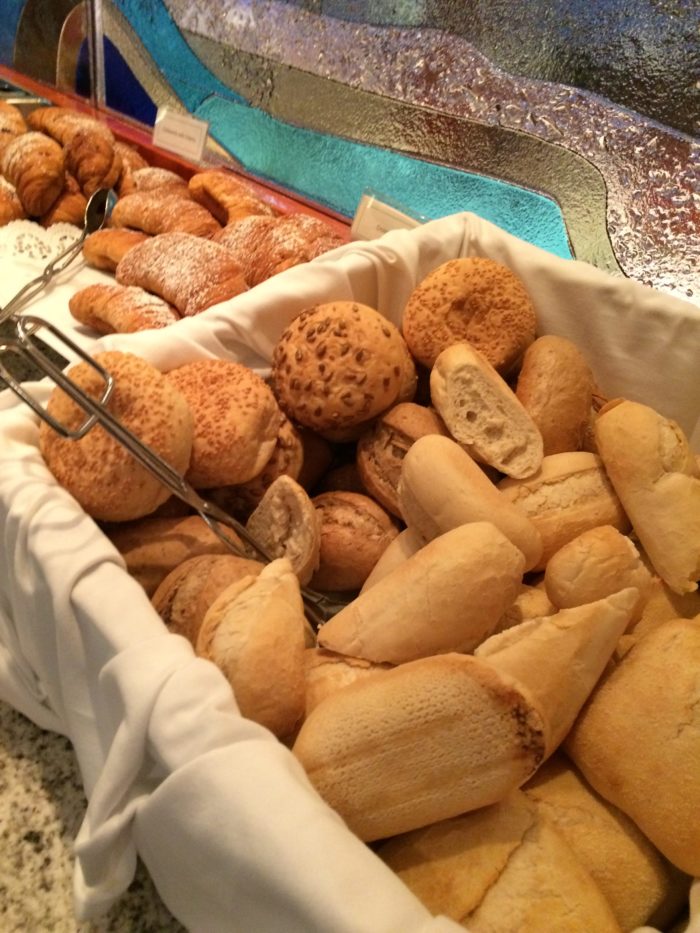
355 532
381 449
327 672
441 487
96 469
656 476
555 385
474 299
255 633
425 741
186 593
593 565
569 494
448 596
483 413
338 365
237 421
501 869
287 524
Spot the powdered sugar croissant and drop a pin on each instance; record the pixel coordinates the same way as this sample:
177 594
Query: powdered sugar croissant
34 164
161 211
120 309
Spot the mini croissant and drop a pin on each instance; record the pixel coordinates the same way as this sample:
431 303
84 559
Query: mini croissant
34 164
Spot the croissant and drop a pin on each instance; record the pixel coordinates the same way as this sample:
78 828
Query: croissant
227 198
69 206
10 205
12 123
61 123
34 164
92 159
120 309
104 248
188 271
161 211
131 160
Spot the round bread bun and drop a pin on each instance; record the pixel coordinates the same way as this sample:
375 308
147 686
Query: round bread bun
355 532
97 470
475 299
338 365
236 417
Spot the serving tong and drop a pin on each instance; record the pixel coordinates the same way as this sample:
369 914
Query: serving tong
319 607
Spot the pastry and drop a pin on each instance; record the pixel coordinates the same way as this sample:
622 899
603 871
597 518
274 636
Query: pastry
12 123
69 207
163 211
291 240
104 248
227 198
34 164
92 158
120 309
10 205
150 177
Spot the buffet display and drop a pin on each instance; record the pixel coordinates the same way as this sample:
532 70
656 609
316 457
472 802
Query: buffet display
482 451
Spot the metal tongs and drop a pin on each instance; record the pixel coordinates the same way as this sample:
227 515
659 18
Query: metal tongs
319 607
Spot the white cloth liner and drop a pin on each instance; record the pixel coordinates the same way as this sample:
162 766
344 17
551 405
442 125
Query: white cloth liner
229 827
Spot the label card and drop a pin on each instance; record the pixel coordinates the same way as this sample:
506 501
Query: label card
180 133
374 217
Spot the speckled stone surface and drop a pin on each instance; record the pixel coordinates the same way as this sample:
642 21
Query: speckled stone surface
41 808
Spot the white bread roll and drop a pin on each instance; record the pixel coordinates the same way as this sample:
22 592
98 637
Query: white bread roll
482 412
501 869
441 487
326 672
531 602
656 477
561 657
404 545
639 884
637 740
569 494
255 633
448 596
422 742
595 564
555 386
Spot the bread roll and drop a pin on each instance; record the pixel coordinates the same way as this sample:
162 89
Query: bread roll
482 412
637 740
338 365
654 472
236 419
326 672
555 386
560 658
423 742
472 298
97 470
404 545
569 494
593 565
638 883
254 633
501 869
153 547
531 602
448 596
287 524
183 597
381 449
441 487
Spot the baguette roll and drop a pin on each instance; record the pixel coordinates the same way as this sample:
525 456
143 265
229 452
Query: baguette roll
531 602
441 487
568 495
482 412
325 672
404 545
422 742
447 597
656 477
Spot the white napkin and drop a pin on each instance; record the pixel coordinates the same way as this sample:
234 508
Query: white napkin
223 816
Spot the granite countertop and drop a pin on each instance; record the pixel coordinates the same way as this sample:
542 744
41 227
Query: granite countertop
41 808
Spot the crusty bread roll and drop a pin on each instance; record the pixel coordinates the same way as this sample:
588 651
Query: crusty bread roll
568 495
404 545
287 524
501 869
163 210
326 672
34 165
355 532
593 565
560 658
96 469
255 633
472 298
423 742
441 487
153 547
654 472
482 412
662 605
641 886
183 597
104 248
637 740
381 449
236 420
555 385
448 596
188 271
531 602
120 309
338 365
